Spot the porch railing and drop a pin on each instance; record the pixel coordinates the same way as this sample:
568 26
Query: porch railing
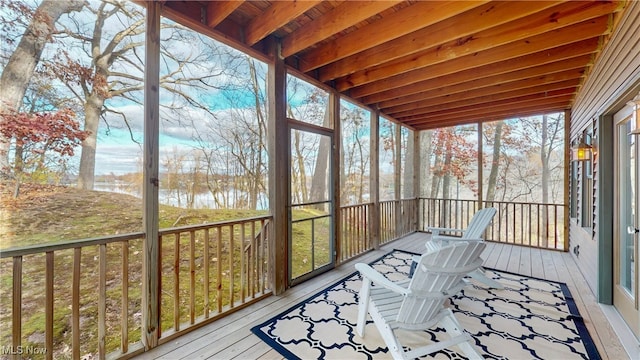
397 218
356 230
83 298
521 223
210 270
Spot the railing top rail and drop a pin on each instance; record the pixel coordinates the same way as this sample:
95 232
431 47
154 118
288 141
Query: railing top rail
185 228
495 201
311 203
295 221
407 199
72 244
356 205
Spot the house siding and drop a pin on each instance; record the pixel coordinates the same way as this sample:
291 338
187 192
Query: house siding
613 80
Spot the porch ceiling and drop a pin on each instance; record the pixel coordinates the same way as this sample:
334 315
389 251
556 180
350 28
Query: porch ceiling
426 64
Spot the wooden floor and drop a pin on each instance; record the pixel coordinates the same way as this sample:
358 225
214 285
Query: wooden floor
230 338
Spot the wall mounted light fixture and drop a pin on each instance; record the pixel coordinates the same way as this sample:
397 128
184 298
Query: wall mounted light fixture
582 150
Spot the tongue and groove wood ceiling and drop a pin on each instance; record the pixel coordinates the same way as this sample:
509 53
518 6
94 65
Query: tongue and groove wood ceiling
426 64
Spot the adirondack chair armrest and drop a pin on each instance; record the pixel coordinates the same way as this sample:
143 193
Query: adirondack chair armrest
370 274
435 231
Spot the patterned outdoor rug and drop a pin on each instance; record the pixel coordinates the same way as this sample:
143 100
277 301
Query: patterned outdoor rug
528 319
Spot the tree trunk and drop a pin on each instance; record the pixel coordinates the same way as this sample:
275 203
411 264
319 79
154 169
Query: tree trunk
425 163
22 63
544 158
408 169
446 184
92 109
302 176
319 180
495 163
258 183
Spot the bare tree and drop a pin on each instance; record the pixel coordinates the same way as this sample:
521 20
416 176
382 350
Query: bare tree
495 162
354 155
110 38
22 63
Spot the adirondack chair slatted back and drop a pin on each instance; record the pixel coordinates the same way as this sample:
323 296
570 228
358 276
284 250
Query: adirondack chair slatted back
437 272
479 223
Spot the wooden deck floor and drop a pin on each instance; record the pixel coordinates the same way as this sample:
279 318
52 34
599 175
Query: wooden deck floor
230 338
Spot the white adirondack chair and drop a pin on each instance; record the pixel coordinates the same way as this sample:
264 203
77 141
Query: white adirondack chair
421 304
477 226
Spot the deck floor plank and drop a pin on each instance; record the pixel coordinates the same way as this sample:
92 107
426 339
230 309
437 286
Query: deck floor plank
513 263
257 351
537 267
525 261
548 266
503 260
491 254
589 309
231 338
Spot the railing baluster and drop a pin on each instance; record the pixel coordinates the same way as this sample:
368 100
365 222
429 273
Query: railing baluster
49 271
231 268
546 230
538 226
253 265
124 324
219 269
16 336
192 277
357 239
176 282
102 301
243 280
367 224
263 231
530 230
205 277
160 285
75 304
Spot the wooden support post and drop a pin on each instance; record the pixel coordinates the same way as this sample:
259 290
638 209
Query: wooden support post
150 260
334 112
606 202
279 188
416 176
567 174
397 178
480 168
374 181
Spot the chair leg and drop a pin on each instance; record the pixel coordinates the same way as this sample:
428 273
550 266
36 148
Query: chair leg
363 306
450 323
389 336
481 277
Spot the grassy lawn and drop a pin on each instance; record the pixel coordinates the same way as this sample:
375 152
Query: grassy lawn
44 215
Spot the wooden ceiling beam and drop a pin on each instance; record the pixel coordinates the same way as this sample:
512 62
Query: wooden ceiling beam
277 15
554 72
393 26
449 73
452 29
477 111
428 125
443 103
468 108
339 18
217 11
540 107
568 28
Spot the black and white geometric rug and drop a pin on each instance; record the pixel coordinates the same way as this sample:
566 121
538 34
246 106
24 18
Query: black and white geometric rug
528 319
